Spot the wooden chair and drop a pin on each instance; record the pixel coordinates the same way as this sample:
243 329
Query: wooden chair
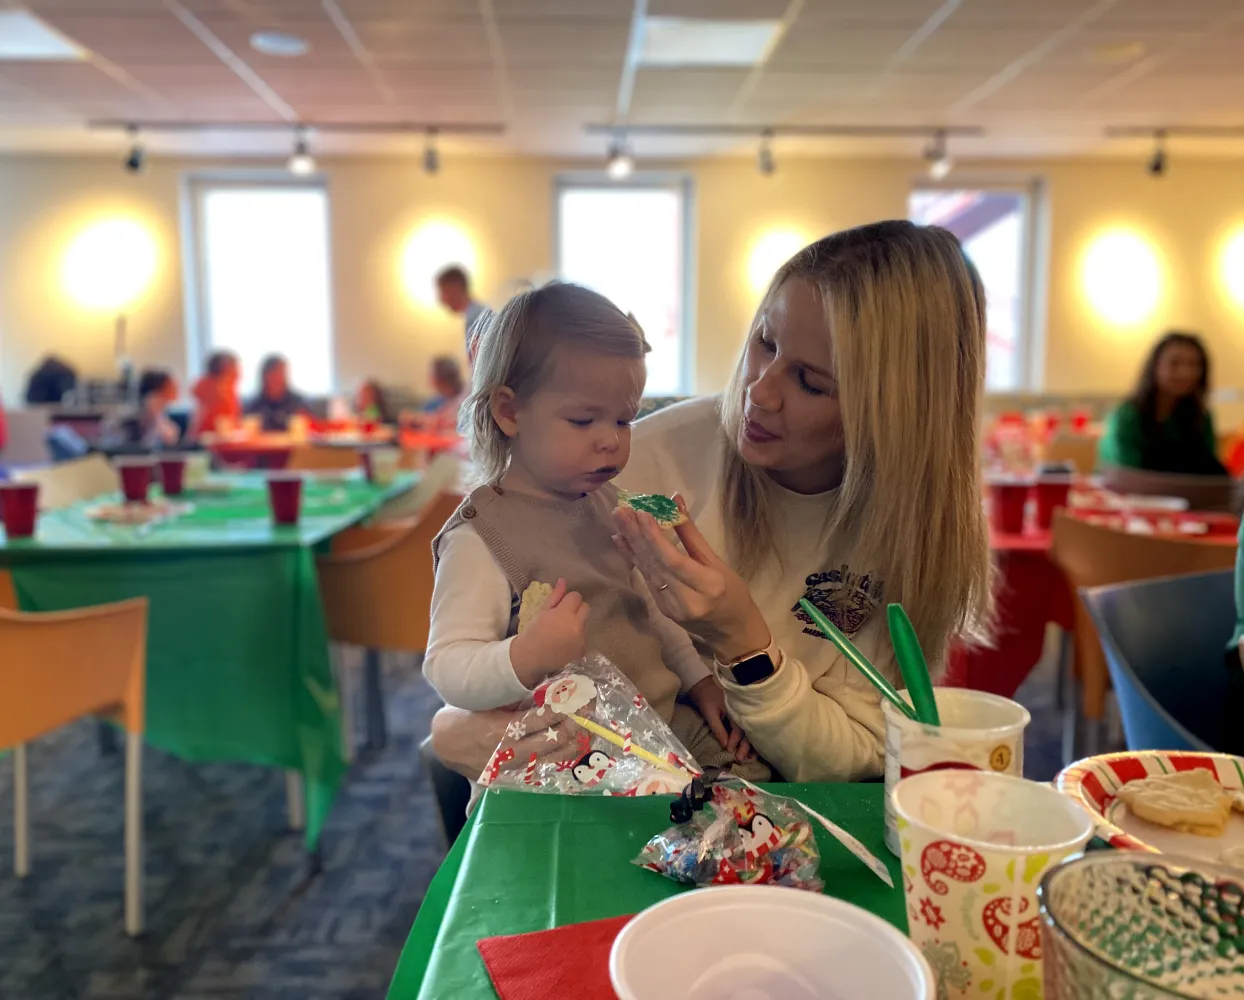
1080 450
376 585
1217 493
68 482
313 458
1094 556
48 682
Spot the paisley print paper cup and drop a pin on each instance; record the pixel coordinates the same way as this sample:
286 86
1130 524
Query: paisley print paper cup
974 847
979 732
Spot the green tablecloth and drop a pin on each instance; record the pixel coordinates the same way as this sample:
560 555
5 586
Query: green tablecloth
528 862
237 652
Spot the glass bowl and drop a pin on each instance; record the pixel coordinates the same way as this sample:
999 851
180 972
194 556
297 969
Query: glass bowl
1129 925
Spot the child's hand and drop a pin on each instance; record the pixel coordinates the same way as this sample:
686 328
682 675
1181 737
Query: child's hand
558 636
711 702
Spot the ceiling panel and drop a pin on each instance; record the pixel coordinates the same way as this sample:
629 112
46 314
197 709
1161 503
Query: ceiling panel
1040 73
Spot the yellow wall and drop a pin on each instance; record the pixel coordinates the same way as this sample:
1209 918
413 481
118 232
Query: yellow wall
506 207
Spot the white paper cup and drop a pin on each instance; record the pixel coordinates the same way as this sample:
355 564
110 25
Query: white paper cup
198 466
979 732
384 464
758 942
974 848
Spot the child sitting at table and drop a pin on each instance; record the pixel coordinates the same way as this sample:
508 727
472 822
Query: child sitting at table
558 378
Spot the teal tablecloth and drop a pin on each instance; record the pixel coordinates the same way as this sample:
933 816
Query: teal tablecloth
528 862
237 653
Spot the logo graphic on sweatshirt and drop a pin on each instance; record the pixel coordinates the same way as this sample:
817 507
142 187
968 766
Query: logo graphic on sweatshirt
847 599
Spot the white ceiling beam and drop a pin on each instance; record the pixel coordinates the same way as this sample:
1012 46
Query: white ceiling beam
361 52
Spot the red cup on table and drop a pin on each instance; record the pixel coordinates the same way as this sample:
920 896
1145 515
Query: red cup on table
135 478
1007 500
172 474
285 497
1051 492
19 503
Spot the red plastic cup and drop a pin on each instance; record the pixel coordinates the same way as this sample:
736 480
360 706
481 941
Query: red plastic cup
285 496
172 474
18 505
1007 499
135 479
1051 494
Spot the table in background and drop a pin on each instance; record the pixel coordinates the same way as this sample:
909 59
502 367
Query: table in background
237 653
529 862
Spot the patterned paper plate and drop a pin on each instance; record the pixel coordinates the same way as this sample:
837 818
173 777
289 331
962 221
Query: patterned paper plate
1095 781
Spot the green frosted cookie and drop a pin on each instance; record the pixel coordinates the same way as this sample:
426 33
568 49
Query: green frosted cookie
660 507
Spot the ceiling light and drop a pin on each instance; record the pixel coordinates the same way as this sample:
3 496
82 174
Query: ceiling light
24 37
695 41
1157 162
938 158
300 161
134 162
620 164
279 43
431 156
764 156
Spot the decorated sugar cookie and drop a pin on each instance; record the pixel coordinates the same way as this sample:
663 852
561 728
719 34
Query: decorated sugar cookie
662 508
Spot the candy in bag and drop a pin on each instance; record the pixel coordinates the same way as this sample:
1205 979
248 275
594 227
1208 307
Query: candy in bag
587 730
729 832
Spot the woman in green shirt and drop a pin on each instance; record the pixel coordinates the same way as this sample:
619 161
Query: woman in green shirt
1165 426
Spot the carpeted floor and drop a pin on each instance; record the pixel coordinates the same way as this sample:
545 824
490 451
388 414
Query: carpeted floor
232 911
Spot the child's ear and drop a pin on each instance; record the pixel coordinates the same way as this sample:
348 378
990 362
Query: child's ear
504 406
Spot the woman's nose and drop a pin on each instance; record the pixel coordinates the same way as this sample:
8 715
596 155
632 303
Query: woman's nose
766 392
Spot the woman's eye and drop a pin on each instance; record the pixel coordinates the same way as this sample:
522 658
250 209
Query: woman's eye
765 342
811 390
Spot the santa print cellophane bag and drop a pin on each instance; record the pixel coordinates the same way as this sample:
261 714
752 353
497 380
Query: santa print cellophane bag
587 731
736 835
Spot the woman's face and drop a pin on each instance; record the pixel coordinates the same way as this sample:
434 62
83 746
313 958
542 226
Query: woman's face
792 427
276 381
1178 371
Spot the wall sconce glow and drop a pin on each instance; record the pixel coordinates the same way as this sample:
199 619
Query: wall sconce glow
770 250
1231 266
433 245
109 265
1121 275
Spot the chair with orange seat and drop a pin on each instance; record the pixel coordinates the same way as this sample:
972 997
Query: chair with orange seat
1094 556
376 585
314 458
47 682
1080 450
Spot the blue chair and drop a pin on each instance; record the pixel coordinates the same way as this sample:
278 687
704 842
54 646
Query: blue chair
1165 642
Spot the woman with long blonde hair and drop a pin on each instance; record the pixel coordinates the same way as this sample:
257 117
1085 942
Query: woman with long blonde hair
840 465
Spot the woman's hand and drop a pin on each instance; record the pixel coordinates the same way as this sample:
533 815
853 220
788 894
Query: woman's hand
694 588
710 700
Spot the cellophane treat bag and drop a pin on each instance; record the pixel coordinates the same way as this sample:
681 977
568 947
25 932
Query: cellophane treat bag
588 731
732 834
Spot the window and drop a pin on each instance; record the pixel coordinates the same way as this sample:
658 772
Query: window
994 227
629 242
261 255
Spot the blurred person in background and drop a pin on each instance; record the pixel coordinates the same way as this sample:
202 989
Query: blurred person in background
1165 425
371 404
151 428
440 413
453 289
276 402
216 393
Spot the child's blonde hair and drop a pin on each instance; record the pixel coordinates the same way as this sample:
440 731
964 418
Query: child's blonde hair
518 346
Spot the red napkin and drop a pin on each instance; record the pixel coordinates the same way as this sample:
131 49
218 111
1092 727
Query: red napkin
570 961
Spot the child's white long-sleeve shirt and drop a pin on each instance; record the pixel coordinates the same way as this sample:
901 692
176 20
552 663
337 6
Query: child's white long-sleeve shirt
468 655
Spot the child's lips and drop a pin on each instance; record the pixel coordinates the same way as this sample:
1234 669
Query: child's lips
603 475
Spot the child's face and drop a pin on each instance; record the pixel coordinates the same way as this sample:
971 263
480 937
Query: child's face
573 434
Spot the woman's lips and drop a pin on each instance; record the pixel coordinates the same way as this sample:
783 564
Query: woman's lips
757 434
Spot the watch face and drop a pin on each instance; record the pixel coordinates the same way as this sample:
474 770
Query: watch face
753 669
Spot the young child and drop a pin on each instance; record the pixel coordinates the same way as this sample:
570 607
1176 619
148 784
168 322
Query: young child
558 378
